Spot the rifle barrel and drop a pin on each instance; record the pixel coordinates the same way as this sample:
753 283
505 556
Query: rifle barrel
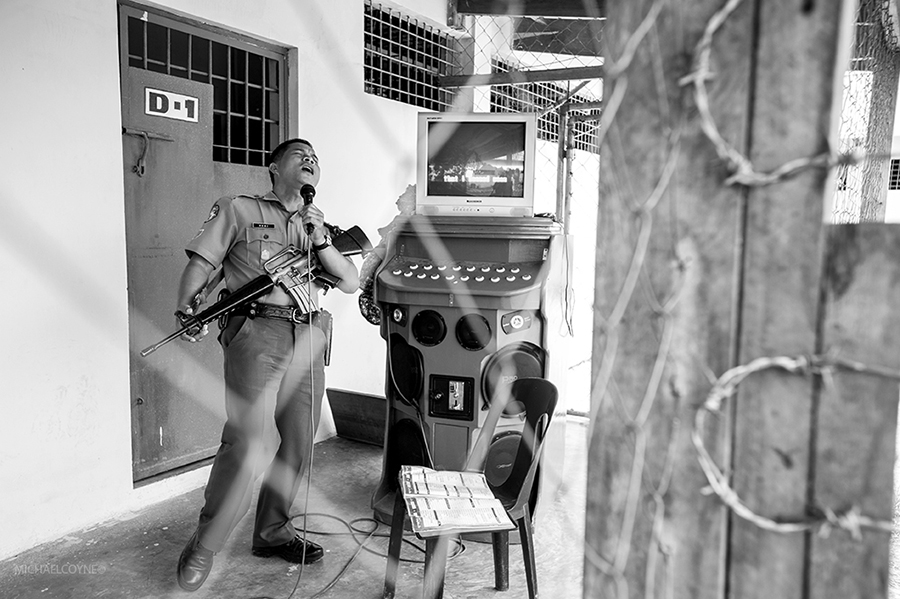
149 350
255 289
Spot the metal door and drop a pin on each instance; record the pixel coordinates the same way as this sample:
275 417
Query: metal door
171 182
176 402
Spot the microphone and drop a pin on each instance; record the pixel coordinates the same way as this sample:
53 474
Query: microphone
308 192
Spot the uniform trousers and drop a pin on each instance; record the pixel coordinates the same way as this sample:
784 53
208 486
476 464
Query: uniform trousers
267 363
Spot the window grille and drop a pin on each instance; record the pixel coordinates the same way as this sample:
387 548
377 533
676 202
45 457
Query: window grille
405 57
541 96
247 103
894 179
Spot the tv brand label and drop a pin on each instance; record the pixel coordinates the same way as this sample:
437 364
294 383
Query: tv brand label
171 105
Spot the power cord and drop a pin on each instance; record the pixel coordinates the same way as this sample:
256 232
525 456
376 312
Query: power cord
354 531
413 403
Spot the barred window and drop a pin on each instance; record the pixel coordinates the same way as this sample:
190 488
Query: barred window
541 96
894 178
247 100
404 58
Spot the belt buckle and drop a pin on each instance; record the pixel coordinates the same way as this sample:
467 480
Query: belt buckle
297 317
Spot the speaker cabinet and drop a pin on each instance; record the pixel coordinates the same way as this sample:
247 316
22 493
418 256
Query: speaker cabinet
444 366
464 311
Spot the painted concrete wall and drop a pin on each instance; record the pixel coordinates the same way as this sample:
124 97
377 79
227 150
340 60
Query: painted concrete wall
65 455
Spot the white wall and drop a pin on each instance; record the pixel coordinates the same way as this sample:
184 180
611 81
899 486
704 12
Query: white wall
65 455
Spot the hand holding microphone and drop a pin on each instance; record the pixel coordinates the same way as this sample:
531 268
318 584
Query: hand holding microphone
308 192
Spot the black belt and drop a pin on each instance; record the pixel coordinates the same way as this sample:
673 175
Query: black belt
261 310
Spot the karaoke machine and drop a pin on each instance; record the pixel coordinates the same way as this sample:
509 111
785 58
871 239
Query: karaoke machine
469 305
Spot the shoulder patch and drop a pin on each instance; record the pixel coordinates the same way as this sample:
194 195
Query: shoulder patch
214 212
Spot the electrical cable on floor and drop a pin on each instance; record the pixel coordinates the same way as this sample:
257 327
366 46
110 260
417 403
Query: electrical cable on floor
354 531
373 534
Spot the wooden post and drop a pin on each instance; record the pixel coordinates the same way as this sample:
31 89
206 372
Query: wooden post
795 89
857 412
695 276
660 334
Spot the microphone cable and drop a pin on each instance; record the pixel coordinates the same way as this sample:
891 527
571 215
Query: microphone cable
312 418
312 411
351 526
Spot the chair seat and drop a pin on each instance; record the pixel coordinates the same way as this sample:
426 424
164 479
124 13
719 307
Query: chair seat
538 397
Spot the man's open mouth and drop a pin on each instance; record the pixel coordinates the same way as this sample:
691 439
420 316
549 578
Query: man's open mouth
308 169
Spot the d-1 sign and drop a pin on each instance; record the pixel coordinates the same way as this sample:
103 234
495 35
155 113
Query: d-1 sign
170 105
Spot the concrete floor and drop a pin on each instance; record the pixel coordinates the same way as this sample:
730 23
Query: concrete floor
136 558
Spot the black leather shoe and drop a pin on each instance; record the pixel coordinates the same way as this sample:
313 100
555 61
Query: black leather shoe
294 551
194 565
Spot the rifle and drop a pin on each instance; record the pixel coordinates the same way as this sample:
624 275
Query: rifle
288 268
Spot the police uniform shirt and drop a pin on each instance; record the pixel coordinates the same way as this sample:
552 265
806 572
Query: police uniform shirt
242 232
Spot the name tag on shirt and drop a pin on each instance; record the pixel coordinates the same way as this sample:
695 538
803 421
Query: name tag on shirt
263 226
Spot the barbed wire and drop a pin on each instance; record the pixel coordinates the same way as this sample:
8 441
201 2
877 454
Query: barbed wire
851 519
742 168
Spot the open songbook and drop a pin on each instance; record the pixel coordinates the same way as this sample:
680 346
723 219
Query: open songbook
443 501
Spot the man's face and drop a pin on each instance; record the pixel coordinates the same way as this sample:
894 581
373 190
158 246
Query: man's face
297 166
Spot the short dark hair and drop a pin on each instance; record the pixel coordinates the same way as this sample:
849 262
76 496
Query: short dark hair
276 154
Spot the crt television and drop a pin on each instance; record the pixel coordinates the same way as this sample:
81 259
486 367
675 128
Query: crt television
475 164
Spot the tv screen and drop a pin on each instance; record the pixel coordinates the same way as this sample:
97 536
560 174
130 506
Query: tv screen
476 164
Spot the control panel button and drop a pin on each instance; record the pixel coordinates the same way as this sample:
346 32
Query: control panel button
495 279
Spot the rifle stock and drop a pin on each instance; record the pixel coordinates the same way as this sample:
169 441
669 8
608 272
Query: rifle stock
350 243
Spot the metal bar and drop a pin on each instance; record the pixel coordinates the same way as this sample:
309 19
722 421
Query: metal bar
588 106
561 165
567 190
149 134
514 77
541 8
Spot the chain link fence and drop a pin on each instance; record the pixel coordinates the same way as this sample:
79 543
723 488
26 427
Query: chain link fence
867 116
550 66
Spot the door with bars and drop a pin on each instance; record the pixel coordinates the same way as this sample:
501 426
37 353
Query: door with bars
200 111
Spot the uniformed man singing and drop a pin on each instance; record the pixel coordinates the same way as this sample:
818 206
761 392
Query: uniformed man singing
274 351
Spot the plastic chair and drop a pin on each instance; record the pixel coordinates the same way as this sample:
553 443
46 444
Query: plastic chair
536 398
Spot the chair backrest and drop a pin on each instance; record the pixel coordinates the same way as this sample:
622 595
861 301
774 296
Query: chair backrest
538 398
